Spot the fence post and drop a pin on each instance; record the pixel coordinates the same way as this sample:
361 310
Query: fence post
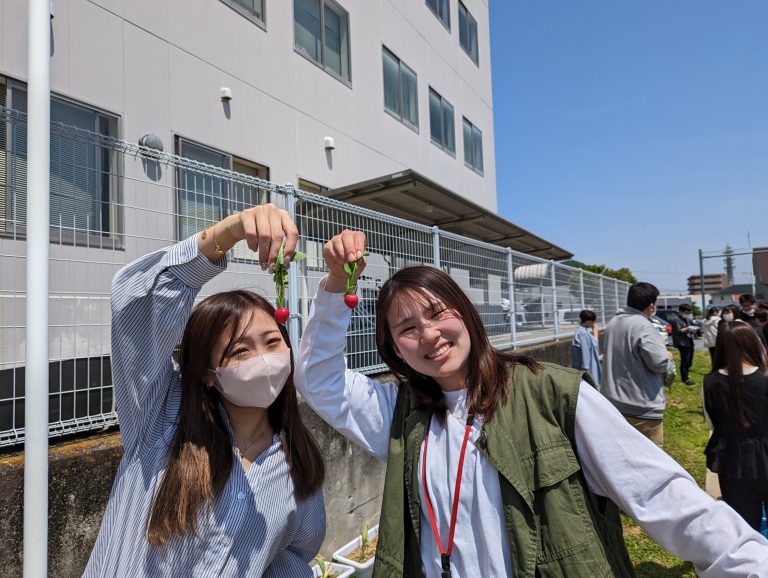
436 246
602 303
616 291
581 288
556 326
293 278
512 311
35 554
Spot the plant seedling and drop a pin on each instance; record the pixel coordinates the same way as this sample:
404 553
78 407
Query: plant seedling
326 569
350 298
280 277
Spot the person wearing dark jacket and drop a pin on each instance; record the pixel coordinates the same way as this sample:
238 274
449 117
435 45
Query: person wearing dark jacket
748 308
736 399
682 339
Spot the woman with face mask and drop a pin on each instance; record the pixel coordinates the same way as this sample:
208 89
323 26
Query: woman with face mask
220 477
498 465
729 313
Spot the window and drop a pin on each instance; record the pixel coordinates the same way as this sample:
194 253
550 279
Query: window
441 122
84 174
205 197
400 92
468 32
251 9
473 147
441 8
321 33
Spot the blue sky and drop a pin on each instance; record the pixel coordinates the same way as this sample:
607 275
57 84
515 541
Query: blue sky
634 133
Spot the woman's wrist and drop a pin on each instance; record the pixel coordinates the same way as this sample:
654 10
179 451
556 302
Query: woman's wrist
334 284
219 238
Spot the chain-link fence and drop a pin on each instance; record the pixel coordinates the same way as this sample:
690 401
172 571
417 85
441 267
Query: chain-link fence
113 201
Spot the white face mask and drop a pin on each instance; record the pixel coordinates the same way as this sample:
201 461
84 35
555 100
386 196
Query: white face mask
256 382
727 316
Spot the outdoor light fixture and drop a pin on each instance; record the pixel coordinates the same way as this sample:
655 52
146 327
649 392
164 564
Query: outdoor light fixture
428 208
226 94
329 143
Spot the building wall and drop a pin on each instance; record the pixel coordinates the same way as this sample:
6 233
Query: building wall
159 65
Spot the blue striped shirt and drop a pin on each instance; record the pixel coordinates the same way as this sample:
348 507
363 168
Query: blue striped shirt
257 527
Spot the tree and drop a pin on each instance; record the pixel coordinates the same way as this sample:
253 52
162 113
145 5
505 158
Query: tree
623 274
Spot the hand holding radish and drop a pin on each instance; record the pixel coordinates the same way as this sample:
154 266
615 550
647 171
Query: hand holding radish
345 255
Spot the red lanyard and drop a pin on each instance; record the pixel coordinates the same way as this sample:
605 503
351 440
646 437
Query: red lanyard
445 555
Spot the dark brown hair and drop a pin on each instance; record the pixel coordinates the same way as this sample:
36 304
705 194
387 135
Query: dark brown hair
737 343
201 457
487 380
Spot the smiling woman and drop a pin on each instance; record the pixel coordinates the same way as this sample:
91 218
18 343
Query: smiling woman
521 476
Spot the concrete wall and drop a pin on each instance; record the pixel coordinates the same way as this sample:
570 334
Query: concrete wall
82 472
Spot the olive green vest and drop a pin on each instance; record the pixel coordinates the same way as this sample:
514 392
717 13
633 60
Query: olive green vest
553 527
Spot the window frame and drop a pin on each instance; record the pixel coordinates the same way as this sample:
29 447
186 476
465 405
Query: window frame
245 13
322 62
111 239
469 19
443 102
474 132
436 11
400 92
232 160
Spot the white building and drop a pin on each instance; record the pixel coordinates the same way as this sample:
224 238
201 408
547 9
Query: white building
382 103
401 87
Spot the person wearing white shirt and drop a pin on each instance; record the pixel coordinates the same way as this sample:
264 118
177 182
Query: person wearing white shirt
498 465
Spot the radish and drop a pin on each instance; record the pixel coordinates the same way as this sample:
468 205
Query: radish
280 277
350 299
281 315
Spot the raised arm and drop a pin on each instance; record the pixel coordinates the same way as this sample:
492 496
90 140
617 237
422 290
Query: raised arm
622 464
152 298
355 405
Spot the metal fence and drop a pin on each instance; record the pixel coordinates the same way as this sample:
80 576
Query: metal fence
113 201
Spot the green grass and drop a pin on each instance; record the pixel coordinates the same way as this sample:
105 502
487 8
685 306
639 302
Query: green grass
685 436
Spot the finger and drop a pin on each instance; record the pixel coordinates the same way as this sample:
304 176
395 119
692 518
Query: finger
263 239
337 246
276 236
249 228
350 248
359 244
291 235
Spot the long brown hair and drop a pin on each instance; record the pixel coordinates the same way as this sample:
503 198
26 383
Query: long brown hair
738 343
488 368
201 458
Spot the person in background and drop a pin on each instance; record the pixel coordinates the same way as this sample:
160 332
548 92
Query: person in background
585 351
736 400
636 359
729 313
709 331
748 308
761 325
682 339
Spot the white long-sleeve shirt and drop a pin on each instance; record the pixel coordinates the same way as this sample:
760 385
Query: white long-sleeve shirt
617 461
